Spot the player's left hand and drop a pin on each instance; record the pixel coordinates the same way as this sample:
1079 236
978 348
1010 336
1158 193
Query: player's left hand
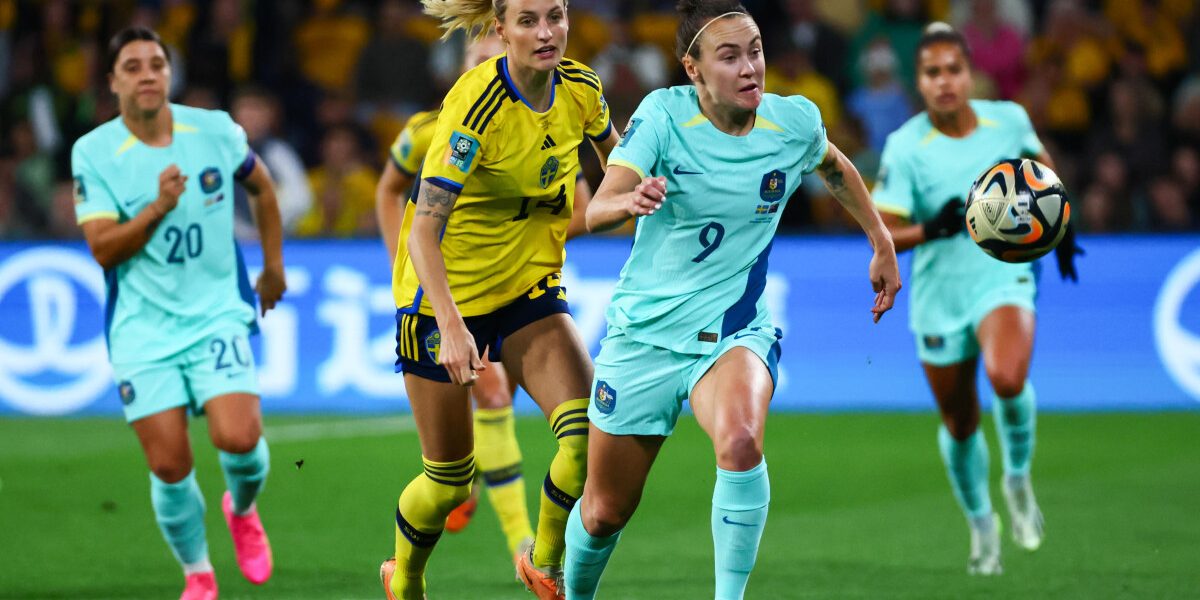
885 279
270 287
1065 253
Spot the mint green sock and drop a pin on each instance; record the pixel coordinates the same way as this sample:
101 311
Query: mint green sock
1016 420
739 515
967 465
585 558
179 510
245 474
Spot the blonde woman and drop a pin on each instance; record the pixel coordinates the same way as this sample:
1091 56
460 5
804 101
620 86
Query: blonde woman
482 272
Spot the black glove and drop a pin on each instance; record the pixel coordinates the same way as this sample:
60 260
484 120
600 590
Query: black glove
949 221
1065 254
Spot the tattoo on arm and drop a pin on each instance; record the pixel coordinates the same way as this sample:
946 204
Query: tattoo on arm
436 202
834 177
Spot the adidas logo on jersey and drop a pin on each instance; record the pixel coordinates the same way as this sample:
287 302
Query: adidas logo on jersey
549 143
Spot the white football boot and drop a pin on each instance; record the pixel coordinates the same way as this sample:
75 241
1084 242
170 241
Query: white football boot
1027 523
985 546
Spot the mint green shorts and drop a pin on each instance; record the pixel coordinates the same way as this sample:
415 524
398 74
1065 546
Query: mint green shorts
219 364
944 348
639 388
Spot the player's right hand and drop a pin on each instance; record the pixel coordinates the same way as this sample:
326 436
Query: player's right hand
647 196
458 353
171 183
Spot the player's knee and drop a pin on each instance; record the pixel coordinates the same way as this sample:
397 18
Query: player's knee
961 425
170 469
1007 382
605 516
491 397
739 448
237 442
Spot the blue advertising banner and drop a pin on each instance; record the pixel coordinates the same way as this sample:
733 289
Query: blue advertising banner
1127 337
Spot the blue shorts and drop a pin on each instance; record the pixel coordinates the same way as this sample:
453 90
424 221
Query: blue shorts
639 388
944 348
219 364
418 340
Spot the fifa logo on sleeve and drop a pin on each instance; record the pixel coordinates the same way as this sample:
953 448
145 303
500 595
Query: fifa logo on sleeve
605 398
463 149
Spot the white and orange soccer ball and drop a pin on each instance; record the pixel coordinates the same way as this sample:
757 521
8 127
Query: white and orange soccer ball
1017 210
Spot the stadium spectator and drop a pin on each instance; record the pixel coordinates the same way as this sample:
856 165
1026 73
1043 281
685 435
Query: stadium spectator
258 112
343 189
1185 112
882 104
1185 167
1169 210
997 48
222 50
1018 14
1130 133
393 71
328 44
1078 41
803 28
794 74
1153 27
899 23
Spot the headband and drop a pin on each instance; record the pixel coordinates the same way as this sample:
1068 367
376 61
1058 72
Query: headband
697 36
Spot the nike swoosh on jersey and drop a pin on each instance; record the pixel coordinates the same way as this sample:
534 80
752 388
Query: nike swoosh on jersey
679 171
728 522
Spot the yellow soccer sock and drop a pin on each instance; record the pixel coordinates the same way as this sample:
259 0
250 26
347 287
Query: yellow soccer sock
564 482
420 517
499 460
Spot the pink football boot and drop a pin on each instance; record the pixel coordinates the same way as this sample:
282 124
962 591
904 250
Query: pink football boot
200 586
249 542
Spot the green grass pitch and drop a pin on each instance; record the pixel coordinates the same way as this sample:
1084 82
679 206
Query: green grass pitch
860 509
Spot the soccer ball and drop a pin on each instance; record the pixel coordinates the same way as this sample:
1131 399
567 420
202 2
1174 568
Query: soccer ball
1017 210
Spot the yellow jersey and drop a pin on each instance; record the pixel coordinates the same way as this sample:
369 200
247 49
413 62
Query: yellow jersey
406 154
412 144
513 169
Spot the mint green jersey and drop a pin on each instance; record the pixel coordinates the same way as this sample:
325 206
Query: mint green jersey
921 170
189 280
698 267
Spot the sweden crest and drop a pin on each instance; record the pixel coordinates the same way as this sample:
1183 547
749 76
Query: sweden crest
433 345
549 172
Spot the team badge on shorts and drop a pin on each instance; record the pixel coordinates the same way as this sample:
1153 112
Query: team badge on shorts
125 388
433 345
606 397
210 180
934 342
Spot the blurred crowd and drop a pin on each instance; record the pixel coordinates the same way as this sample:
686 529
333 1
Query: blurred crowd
322 87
